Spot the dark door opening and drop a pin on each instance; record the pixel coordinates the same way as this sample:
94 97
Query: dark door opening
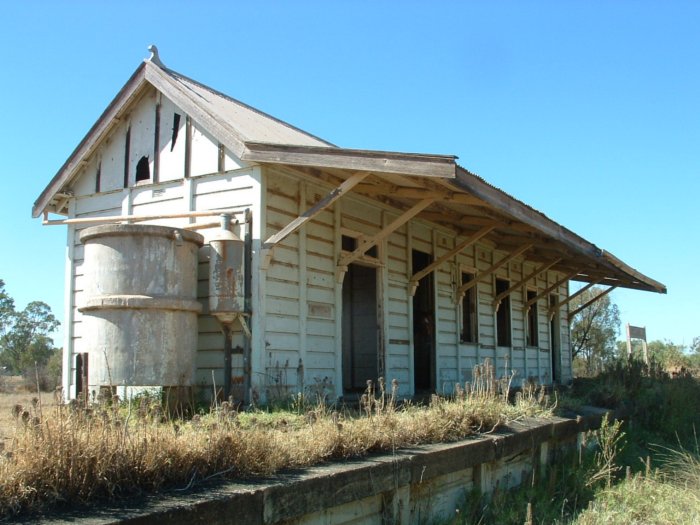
360 327
423 327
81 377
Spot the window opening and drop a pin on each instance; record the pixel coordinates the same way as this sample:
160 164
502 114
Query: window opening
98 178
176 130
156 144
532 324
469 317
127 154
188 147
503 337
349 244
142 169
221 164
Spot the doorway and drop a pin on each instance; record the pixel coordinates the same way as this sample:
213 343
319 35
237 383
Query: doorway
81 377
360 328
423 327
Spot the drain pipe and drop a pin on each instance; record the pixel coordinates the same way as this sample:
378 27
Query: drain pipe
228 368
247 296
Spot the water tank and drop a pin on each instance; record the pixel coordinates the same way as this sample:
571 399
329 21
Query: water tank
226 277
140 304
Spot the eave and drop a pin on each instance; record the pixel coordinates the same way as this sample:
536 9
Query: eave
442 166
107 121
451 196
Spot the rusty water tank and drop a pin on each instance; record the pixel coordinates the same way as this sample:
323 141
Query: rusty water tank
140 304
226 277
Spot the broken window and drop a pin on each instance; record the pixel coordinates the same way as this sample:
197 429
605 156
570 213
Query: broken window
349 244
127 154
98 178
469 318
503 337
221 164
532 325
176 130
143 171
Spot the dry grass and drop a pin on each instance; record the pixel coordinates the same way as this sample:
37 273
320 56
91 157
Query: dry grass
669 496
66 454
13 393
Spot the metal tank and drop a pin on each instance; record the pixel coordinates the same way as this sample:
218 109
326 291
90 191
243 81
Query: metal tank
226 279
227 288
141 304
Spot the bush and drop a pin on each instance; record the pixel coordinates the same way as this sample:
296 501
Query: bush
654 401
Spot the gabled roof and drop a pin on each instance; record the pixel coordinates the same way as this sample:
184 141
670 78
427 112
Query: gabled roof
464 201
231 121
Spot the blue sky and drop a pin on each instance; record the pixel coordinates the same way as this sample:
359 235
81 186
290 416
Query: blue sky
587 111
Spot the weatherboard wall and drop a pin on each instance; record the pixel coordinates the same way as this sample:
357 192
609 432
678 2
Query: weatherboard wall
297 300
208 187
303 307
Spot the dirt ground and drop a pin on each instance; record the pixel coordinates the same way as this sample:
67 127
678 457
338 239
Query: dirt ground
14 392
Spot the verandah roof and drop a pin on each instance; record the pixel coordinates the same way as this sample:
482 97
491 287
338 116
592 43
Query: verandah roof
462 201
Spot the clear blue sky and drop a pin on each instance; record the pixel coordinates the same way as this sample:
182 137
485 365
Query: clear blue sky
587 111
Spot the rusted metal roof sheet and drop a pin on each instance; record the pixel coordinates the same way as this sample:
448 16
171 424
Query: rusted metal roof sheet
257 137
251 124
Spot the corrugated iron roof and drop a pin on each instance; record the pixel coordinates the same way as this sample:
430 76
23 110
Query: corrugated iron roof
256 136
251 124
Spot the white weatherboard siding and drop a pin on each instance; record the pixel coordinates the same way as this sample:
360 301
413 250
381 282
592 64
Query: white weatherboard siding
207 189
297 301
301 313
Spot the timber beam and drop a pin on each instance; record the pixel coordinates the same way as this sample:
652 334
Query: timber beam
325 202
511 289
573 296
415 278
365 243
549 289
589 303
490 270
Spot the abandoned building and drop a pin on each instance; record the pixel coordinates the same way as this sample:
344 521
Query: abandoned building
214 247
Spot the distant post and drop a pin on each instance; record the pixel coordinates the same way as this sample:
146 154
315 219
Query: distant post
637 332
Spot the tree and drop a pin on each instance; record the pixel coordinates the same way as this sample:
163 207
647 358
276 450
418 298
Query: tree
694 357
671 356
594 332
25 340
7 309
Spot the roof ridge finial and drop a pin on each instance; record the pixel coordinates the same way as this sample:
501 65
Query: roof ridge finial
155 58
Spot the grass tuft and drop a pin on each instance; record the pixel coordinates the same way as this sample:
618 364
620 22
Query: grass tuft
68 454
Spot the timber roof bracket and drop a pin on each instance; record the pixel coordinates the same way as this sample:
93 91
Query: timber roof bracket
366 243
490 270
325 202
590 302
543 268
548 290
573 296
416 277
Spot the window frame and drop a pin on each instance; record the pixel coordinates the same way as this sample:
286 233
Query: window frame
532 319
473 294
503 318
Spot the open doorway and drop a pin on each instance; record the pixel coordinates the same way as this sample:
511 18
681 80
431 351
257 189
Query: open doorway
423 327
81 377
360 328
